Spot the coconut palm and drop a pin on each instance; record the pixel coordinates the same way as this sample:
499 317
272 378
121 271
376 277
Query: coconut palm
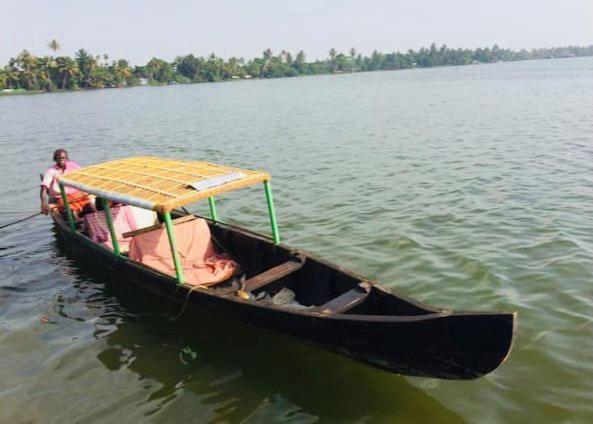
11 74
66 66
283 54
332 57
152 67
54 45
233 68
122 71
28 64
49 63
93 74
86 65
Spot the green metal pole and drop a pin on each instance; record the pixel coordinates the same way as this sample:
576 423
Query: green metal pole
173 244
213 212
67 208
111 227
272 212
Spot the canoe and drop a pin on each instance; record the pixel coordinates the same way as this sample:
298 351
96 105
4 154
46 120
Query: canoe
333 307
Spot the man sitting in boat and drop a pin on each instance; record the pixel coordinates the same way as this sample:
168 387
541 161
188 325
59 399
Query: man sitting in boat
50 195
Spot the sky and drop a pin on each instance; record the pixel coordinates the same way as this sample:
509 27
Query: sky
138 30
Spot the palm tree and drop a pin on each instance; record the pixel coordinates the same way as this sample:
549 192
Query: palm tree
12 75
265 67
300 62
233 67
153 66
122 71
28 63
283 54
86 65
49 63
54 45
67 67
353 59
332 57
92 66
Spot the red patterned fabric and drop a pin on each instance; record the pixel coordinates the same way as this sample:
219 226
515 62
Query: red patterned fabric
77 202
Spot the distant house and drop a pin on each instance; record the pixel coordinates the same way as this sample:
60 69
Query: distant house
566 53
247 76
143 81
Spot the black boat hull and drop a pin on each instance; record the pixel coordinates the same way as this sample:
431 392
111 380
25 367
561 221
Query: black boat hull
419 341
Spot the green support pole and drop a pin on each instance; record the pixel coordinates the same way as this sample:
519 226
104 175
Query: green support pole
67 208
109 218
272 212
173 244
213 212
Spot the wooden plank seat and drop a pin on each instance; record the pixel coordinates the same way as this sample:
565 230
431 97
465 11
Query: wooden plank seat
345 301
271 275
157 226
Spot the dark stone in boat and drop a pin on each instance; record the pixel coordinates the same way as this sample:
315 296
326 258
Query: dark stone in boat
345 313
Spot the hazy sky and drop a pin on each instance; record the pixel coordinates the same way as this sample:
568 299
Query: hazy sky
140 29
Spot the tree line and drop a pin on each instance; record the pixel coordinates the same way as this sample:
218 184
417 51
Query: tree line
85 71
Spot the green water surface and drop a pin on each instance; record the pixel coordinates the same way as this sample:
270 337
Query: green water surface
464 187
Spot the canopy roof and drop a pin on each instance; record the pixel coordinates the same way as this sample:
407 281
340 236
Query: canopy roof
160 184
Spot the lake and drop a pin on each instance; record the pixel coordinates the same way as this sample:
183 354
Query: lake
464 187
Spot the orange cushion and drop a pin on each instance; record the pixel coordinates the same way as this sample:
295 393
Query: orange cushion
202 264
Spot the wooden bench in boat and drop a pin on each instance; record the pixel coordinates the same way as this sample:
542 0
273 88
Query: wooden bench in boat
346 301
271 275
175 221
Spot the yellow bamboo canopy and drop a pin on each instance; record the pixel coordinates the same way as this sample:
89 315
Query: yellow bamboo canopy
160 184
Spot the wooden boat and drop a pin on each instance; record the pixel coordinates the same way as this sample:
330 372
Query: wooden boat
335 308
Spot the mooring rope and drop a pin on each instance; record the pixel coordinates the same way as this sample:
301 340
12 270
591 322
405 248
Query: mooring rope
20 220
184 303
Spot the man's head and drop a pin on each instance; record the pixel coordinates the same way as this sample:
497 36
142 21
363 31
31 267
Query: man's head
61 157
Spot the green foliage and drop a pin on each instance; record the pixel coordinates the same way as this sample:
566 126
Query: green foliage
86 71
180 79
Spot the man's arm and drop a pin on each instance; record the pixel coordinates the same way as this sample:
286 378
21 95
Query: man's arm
43 195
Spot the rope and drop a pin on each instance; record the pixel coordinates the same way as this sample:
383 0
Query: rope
20 220
184 303
14 212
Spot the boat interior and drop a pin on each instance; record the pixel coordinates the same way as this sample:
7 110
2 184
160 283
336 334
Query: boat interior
324 287
282 277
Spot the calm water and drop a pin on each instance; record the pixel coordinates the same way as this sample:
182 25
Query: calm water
467 188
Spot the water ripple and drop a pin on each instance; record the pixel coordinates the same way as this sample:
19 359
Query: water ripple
467 188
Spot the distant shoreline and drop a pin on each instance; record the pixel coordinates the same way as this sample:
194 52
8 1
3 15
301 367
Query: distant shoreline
27 74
